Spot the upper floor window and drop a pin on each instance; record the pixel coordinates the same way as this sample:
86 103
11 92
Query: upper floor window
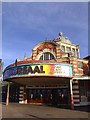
73 51
47 56
68 49
80 64
63 48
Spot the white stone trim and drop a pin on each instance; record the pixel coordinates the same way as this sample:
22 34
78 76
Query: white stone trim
75 87
76 91
76 81
21 87
20 95
77 104
41 53
75 66
20 91
76 96
22 102
20 98
74 69
76 100
74 62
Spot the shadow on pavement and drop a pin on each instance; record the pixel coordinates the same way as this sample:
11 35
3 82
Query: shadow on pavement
83 108
79 108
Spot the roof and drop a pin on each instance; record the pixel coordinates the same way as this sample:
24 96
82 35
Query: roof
46 41
0 60
88 57
34 62
83 77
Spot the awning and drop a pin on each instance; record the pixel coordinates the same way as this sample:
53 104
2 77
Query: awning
81 78
40 80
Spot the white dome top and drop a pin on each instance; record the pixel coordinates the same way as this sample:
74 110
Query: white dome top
66 40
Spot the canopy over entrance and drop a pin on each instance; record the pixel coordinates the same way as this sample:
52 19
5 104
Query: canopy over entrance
40 81
39 74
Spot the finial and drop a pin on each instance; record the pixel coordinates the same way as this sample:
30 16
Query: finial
60 34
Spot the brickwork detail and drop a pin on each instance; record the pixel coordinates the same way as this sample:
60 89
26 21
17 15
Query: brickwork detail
76 97
21 95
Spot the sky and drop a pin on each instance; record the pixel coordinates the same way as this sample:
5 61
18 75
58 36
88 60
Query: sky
26 24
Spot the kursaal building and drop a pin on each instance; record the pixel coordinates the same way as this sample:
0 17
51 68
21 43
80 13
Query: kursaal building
53 74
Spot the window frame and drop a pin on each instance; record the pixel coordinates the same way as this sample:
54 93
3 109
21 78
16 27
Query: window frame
45 57
68 51
80 65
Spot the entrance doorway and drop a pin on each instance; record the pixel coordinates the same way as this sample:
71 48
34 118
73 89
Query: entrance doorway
54 96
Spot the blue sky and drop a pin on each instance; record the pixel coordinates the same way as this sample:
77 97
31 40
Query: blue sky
0 30
26 24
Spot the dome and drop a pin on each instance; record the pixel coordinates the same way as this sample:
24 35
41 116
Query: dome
66 40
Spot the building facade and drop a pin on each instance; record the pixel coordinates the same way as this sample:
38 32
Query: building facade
53 74
0 69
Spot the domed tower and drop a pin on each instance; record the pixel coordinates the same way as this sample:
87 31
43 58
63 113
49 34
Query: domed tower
65 46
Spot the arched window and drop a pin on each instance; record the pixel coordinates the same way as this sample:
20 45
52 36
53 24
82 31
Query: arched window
47 56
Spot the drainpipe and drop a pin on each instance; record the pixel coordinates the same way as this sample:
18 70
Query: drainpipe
71 93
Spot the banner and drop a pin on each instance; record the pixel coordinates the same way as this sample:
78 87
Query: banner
38 70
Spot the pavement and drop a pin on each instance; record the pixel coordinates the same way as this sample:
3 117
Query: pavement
15 110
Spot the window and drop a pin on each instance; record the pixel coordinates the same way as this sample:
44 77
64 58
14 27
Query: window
73 51
68 49
51 57
63 48
82 91
41 58
80 64
47 56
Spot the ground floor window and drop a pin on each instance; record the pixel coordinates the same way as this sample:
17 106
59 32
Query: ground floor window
48 95
84 88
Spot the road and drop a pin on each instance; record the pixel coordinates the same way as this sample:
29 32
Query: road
15 110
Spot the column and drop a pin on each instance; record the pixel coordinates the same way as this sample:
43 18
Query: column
25 95
76 96
21 93
71 94
7 98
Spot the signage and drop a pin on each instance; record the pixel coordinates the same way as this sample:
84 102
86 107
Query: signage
38 70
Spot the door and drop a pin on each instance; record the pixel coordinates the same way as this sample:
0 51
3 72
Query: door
83 92
53 96
60 96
